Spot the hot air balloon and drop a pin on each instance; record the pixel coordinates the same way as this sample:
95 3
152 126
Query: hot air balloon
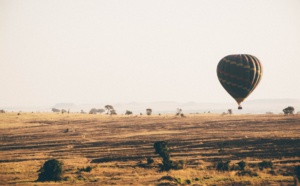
239 74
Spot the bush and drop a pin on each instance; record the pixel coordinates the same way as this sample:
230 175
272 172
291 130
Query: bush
52 170
265 164
223 166
87 169
188 181
161 148
242 165
150 161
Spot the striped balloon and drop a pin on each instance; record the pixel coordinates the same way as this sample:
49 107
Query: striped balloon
239 74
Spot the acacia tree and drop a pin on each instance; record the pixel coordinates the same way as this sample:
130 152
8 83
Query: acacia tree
148 111
288 110
128 112
109 109
55 110
95 111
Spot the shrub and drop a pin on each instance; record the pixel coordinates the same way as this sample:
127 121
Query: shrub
161 148
150 161
52 170
265 164
188 181
223 166
87 169
242 165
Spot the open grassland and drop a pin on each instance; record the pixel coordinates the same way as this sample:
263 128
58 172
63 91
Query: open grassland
116 147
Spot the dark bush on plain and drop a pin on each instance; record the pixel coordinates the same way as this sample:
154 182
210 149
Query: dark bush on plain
87 169
188 181
161 148
223 166
52 170
150 161
242 165
265 164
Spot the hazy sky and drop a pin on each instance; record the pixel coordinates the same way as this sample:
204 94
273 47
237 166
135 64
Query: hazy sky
93 51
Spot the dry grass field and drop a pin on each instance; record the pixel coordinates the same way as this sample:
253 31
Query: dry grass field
116 147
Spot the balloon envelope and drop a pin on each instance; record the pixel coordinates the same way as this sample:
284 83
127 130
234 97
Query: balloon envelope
239 74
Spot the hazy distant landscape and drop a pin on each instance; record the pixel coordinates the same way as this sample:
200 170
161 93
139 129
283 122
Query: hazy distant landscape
259 106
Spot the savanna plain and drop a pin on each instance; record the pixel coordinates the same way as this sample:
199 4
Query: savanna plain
116 148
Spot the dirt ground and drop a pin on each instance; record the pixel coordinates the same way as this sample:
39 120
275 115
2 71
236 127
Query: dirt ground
116 147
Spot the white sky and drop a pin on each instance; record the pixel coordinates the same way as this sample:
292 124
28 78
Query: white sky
96 51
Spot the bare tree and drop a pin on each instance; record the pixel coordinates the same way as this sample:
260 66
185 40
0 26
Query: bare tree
148 111
2 111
